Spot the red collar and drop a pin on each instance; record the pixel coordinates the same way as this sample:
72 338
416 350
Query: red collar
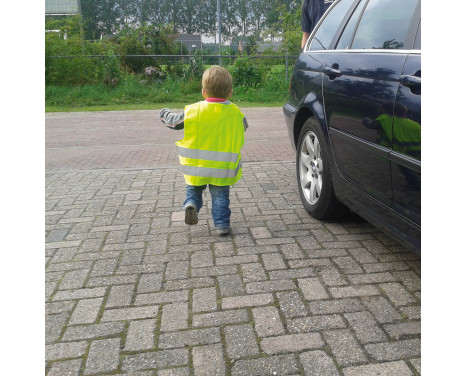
216 100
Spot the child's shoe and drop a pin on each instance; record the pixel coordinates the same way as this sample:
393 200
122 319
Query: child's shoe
223 230
191 214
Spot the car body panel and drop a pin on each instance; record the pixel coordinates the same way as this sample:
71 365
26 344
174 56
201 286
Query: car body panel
368 104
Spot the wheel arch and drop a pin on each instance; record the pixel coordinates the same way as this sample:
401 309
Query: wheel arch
309 107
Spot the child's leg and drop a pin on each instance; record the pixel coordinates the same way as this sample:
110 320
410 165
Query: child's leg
193 203
194 195
220 206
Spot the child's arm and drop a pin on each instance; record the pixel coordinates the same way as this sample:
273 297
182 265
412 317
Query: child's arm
171 119
245 123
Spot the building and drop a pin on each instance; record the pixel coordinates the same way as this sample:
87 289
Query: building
192 42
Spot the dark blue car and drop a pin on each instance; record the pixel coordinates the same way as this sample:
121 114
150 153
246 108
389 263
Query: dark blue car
353 115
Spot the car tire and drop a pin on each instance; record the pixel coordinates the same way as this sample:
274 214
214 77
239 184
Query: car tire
314 175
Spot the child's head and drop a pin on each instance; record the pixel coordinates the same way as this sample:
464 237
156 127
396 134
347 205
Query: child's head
217 82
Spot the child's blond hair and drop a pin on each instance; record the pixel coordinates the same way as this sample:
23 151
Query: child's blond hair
217 82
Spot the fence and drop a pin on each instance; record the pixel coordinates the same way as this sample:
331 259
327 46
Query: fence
223 60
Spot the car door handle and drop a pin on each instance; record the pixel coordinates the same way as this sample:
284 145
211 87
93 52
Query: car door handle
332 73
410 81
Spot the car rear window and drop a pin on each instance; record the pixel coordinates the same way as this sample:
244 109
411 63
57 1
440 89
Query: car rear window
384 24
326 30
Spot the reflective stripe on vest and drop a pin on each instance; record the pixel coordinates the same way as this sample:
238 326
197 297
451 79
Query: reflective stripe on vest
207 155
212 172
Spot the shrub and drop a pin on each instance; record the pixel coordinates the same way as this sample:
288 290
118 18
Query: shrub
246 73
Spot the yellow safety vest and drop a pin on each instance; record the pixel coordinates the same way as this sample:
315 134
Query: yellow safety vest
210 150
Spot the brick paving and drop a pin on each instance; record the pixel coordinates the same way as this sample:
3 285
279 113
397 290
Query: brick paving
131 290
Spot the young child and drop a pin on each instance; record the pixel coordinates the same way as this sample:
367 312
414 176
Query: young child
210 150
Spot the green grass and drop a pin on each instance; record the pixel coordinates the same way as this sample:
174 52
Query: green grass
131 94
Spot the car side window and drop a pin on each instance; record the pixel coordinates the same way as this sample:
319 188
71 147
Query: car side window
347 34
326 30
384 24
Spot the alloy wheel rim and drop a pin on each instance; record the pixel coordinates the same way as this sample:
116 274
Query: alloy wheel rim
311 168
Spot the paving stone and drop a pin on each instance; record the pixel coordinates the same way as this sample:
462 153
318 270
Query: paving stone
213 271
397 294
331 276
59 307
140 335
267 321
270 286
231 285
353 291
348 265
401 349
235 260
315 323
291 343
77 332
161 297
86 311
247 301
312 289
220 318
177 270
54 325
273 261
208 360
335 306
381 309
271 365
291 304
131 313
201 258
345 348
365 327
192 337
398 331
291 273
318 363
74 279
65 350
94 292
149 283
241 341
417 363
103 356
204 300
253 272
155 360
174 316
191 283
357 279
66 367
382 369
120 296
180 371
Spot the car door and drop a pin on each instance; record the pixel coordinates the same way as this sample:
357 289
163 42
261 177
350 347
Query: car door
360 86
406 153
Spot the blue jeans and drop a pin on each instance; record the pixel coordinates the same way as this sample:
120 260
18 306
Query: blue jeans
220 202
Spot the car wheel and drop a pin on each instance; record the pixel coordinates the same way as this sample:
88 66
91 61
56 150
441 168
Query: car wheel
314 174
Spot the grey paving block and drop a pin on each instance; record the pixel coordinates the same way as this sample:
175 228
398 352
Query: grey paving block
241 341
344 347
318 363
103 356
208 360
398 368
155 360
271 365
70 367
267 321
292 343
